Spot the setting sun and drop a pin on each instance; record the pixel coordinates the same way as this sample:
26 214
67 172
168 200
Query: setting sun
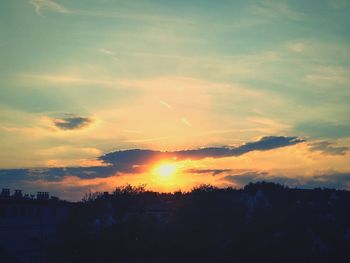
165 169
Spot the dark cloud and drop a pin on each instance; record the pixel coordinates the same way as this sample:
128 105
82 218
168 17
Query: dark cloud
129 158
328 180
208 171
242 179
26 179
13 176
71 122
328 148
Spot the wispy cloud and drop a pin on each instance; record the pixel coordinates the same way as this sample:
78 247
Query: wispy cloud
164 103
133 131
336 4
183 120
132 16
272 8
213 172
69 79
145 140
328 148
330 75
106 51
50 5
298 47
323 129
186 122
53 6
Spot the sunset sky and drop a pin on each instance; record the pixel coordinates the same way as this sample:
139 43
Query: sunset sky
173 94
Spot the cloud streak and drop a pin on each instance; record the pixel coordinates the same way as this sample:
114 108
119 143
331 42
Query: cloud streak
336 180
53 6
213 172
328 148
270 8
48 5
319 129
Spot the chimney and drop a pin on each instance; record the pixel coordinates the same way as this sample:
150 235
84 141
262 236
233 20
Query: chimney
18 193
5 192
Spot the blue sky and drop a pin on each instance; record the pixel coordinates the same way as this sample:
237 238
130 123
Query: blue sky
80 79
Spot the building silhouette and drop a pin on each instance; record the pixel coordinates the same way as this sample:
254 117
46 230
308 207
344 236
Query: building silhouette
28 224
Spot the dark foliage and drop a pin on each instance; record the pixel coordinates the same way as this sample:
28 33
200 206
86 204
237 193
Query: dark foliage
264 222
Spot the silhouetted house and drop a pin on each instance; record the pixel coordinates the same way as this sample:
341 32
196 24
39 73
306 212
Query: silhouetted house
42 196
5 192
18 193
28 226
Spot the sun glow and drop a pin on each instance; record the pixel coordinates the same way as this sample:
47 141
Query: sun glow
165 170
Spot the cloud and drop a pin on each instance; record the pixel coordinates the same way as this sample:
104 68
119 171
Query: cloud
329 76
106 51
328 148
330 180
334 180
124 14
55 174
213 172
164 103
337 4
321 129
128 158
242 179
186 122
270 8
297 47
48 5
72 122
146 140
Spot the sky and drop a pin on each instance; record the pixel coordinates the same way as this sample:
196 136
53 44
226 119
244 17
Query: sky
96 94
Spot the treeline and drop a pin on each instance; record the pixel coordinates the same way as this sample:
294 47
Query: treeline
263 222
